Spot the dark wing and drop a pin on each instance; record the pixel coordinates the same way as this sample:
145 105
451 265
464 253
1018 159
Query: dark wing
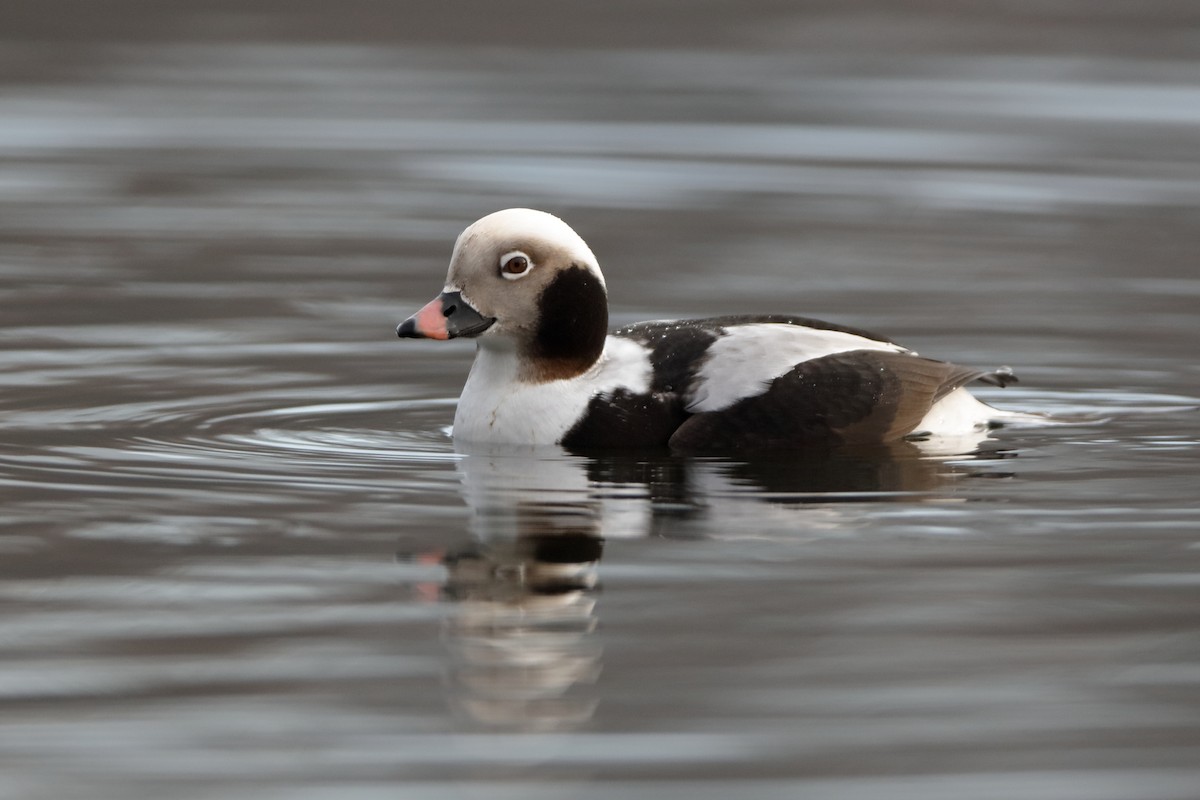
857 396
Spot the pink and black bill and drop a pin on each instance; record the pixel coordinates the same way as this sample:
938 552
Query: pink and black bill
446 316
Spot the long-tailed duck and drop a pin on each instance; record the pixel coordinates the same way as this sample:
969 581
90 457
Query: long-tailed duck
530 292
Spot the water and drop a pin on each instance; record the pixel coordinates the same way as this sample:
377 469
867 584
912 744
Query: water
241 557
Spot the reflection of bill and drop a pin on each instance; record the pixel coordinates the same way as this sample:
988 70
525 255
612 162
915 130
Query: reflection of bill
524 653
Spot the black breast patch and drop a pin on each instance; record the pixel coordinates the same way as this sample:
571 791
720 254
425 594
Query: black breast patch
626 420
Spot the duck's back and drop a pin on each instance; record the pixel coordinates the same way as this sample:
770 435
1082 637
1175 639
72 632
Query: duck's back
771 381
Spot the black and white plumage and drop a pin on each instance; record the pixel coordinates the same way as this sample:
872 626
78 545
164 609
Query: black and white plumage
530 292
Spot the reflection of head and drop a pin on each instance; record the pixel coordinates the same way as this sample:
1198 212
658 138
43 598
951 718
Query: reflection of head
521 642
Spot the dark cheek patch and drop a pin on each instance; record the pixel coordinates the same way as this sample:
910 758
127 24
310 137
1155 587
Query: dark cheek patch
572 323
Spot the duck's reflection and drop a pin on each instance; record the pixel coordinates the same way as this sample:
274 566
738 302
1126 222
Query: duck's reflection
522 642
523 647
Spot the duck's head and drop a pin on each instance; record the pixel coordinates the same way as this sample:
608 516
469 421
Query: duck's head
521 279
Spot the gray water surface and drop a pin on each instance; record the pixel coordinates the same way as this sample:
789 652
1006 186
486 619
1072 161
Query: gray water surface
241 557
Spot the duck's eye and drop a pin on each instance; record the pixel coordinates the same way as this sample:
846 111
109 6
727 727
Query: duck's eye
514 265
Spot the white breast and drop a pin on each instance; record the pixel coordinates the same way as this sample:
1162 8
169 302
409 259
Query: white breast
497 407
748 357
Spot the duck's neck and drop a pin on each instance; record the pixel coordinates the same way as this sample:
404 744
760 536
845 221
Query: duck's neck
572 326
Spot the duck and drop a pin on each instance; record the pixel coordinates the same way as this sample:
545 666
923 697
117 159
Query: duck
527 289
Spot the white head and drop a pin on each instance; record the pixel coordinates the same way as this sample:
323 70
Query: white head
522 278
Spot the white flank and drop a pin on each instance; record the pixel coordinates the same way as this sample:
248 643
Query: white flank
746 359
960 412
497 407
957 413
